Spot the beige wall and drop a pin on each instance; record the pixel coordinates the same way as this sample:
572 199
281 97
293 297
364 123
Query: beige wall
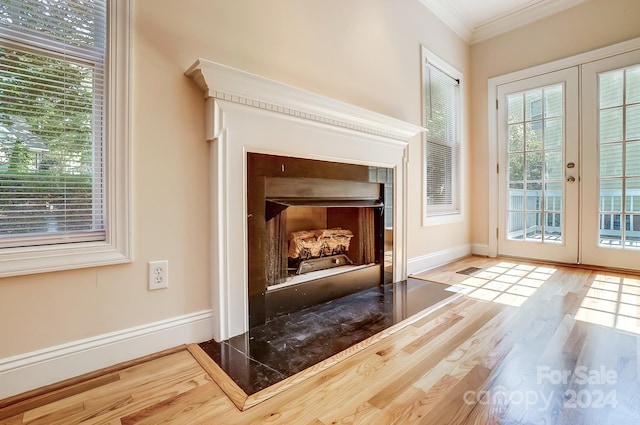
594 24
365 52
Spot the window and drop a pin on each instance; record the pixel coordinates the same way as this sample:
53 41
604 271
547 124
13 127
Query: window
442 138
63 134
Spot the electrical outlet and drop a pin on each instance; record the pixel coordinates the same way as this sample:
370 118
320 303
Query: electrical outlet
158 274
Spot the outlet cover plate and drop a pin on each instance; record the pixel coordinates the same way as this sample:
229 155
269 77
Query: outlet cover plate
158 275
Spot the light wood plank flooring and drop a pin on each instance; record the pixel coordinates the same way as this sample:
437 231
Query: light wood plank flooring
527 344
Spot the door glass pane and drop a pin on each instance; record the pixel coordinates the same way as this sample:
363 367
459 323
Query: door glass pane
533 135
536 164
533 165
555 211
611 195
632 195
619 150
553 133
516 196
632 230
611 125
633 122
533 231
610 230
633 85
553 166
611 160
534 196
516 164
633 159
515 108
553 196
516 137
515 224
611 86
533 105
553 227
553 101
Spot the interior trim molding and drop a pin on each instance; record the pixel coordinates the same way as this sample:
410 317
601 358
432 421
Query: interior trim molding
234 85
429 261
520 18
450 17
480 249
453 18
47 366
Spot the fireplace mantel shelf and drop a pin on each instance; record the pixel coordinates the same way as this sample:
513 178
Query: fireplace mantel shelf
226 83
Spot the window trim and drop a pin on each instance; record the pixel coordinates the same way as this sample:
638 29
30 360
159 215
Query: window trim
439 216
116 248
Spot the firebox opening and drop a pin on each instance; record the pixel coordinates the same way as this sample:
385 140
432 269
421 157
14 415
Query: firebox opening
317 231
311 242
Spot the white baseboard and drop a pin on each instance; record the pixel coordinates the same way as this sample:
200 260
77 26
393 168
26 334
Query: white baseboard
435 259
36 369
480 249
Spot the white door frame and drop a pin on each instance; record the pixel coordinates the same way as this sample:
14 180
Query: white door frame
492 99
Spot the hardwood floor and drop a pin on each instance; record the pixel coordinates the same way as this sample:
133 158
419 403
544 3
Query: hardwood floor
527 344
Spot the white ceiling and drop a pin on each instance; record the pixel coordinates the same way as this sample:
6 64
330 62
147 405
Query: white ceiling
477 20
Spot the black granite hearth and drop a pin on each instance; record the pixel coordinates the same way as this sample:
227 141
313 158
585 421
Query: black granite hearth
289 344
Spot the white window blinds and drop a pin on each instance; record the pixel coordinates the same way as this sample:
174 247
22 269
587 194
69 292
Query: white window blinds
52 99
442 141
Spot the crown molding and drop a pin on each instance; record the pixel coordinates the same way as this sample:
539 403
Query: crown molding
521 18
452 17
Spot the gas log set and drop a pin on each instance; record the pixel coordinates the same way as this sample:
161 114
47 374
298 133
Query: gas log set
311 250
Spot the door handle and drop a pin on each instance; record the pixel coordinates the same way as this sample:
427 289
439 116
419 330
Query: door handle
571 179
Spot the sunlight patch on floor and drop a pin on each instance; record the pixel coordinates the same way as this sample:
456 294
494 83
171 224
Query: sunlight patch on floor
612 301
505 283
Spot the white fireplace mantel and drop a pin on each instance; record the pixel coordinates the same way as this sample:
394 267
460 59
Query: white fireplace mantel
249 113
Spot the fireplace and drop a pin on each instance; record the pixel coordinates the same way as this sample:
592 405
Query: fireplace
320 164
317 230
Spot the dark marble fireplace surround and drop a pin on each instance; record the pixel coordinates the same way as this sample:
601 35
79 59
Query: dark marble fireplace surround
274 183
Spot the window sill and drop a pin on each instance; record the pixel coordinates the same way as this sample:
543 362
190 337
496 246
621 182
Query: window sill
436 220
30 260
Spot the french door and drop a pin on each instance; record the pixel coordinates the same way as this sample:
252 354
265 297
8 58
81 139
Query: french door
611 147
539 167
569 146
